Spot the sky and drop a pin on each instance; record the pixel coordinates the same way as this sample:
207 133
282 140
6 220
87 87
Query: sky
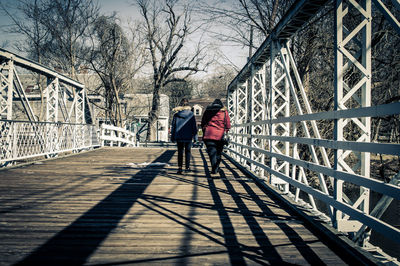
126 11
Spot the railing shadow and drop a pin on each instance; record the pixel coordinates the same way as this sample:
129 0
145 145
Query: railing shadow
63 248
238 253
273 257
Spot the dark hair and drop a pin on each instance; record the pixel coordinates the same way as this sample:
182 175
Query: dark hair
217 102
184 102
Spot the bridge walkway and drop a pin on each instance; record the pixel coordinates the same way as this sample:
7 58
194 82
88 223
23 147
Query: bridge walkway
99 208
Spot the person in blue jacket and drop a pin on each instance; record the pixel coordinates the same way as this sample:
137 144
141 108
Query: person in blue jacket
183 130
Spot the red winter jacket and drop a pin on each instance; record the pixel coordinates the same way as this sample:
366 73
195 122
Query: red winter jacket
214 122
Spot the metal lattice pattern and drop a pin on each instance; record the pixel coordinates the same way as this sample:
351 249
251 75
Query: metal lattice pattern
64 97
231 111
353 90
258 114
242 116
274 124
5 90
280 107
3 97
21 140
80 106
52 101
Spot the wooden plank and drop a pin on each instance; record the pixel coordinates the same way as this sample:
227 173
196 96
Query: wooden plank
93 208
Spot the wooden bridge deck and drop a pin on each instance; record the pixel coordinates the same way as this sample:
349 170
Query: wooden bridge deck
95 209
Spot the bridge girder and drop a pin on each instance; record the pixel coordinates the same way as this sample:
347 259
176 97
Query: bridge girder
278 118
63 95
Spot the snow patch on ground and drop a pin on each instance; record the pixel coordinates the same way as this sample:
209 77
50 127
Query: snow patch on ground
146 164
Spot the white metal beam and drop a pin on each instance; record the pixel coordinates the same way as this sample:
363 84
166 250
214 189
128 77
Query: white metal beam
350 92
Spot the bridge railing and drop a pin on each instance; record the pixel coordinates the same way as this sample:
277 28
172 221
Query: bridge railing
116 136
294 174
22 140
324 159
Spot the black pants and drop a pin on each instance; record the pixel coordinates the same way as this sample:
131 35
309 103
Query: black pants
214 150
186 146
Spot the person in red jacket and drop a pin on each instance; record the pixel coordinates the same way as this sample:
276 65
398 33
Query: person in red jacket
215 122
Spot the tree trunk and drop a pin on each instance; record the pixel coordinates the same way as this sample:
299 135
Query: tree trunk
118 115
154 114
377 129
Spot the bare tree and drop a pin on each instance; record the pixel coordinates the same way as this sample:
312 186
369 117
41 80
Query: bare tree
167 30
216 85
68 22
116 59
239 18
27 23
177 91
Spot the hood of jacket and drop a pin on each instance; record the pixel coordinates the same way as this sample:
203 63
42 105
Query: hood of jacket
216 107
182 111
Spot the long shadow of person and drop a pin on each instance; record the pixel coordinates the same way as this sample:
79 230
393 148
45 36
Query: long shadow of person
235 253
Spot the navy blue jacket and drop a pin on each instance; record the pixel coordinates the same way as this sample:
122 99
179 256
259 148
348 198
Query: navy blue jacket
183 127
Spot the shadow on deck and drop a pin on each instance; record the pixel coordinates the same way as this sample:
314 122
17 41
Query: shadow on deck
97 208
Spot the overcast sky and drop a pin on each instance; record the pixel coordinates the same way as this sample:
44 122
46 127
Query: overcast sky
126 11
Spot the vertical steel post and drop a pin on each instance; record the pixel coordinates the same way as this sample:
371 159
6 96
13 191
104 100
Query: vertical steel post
365 157
280 107
80 106
231 112
52 100
3 92
51 114
352 59
257 114
10 89
251 116
272 178
242 117
236 121
286 126
246 114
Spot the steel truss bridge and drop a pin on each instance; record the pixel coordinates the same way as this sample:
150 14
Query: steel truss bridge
271 115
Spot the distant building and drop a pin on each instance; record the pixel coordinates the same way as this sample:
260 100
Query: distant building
199 106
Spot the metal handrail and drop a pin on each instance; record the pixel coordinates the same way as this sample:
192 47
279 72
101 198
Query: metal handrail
22 140
116 136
